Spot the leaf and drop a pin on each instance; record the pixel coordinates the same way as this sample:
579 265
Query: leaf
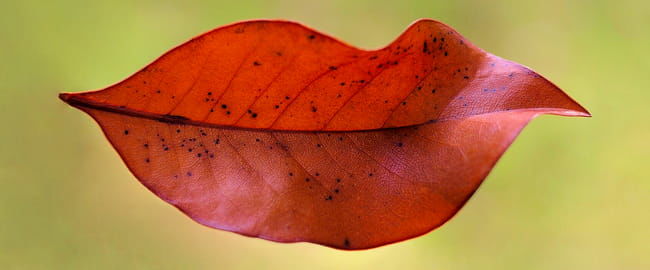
273 130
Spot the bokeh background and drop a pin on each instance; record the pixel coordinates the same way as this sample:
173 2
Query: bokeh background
569 194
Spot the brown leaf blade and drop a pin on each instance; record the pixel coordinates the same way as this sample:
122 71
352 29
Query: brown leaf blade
270 129
283 76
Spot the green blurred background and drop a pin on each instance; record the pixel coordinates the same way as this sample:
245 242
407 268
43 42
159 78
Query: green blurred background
569 194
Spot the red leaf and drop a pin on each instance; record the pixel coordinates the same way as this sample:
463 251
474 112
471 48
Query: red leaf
273 130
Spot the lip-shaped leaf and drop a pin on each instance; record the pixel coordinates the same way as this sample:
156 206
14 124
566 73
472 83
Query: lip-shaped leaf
271 129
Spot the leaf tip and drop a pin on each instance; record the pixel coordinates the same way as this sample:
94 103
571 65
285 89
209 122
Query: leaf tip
71 99
582 111
65 97
574 109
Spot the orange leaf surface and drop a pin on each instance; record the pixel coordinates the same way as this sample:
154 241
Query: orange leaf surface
273 130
